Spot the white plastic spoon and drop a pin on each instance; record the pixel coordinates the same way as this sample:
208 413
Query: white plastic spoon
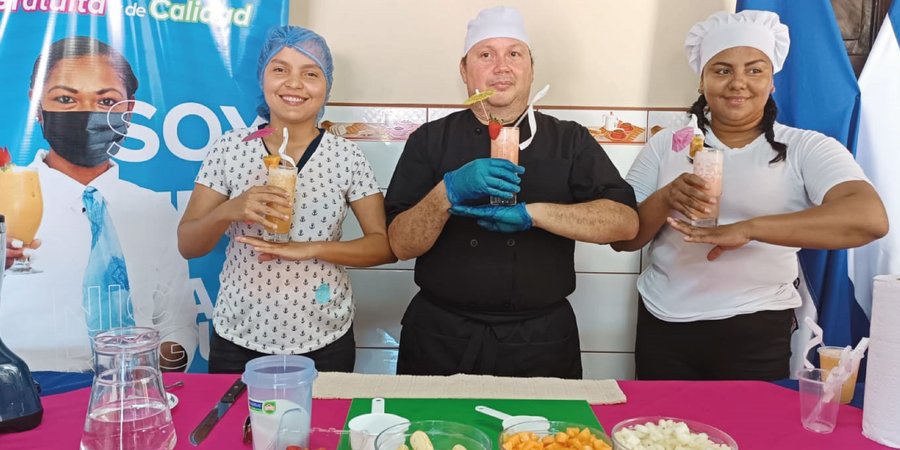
535 423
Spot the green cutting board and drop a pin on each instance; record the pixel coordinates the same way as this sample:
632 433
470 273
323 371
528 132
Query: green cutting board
463 411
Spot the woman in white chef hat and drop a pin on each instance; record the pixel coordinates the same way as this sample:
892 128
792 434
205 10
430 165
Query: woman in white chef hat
716 303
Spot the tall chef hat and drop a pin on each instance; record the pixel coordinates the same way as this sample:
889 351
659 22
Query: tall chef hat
761 30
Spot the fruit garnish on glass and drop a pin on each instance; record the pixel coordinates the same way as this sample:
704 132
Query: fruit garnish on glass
5 160
494 124
271 160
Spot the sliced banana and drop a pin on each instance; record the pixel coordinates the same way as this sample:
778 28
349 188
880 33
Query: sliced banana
420 441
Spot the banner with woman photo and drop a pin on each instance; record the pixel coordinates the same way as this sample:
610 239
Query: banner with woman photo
108 109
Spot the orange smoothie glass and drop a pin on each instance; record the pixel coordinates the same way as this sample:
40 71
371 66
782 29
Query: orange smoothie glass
829 357
283 175
22 204
506 146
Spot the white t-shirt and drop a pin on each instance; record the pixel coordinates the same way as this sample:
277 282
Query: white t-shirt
679 284
280 306
41 315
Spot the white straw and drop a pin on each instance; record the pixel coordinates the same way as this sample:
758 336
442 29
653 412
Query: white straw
283 147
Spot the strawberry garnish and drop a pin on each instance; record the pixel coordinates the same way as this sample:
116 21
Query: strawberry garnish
5 158
494 127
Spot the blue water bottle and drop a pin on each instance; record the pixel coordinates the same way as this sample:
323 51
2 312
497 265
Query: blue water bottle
20 405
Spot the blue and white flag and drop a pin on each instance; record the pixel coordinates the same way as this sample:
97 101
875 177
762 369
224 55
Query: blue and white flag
817 90
878 152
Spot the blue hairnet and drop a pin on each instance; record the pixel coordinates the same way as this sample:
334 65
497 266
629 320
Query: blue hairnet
304 41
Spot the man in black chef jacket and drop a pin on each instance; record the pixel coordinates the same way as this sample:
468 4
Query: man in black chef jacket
494 279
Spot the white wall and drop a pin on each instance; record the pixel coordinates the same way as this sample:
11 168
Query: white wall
592 52
601 54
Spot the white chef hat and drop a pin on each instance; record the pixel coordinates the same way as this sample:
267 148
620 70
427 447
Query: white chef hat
761 30
499 21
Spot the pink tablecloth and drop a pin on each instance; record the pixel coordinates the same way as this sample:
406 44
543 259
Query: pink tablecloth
758 415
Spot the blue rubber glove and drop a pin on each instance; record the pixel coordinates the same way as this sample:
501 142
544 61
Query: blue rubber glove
482 178
503 219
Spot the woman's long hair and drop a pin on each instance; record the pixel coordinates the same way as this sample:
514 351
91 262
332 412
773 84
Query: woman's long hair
766 125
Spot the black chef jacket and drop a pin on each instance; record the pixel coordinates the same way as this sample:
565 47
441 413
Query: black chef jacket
487 277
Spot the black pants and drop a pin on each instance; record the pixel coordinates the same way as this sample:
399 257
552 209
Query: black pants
227 357
746 347
437 340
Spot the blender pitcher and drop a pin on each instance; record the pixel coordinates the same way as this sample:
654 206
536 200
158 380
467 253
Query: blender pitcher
128 407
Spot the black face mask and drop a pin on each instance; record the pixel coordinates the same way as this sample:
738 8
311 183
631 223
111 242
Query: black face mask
84 138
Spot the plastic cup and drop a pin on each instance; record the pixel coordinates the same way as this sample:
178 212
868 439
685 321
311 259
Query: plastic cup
366 427
277 385
284 176
818 411
829 357
708 164
506 146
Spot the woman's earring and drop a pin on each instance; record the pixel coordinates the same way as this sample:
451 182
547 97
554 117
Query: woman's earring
699 91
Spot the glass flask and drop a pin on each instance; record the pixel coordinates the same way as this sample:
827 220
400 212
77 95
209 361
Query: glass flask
128 407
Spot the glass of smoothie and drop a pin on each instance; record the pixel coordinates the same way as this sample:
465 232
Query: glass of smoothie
22 204
506 146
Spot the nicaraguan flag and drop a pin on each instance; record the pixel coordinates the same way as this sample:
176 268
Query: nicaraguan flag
817 90
878 152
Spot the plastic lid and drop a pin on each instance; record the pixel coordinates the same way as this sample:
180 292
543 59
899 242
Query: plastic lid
279 371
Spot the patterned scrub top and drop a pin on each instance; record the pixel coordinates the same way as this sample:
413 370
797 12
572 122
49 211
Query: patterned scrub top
279 306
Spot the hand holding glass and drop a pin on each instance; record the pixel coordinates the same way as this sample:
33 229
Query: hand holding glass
22 204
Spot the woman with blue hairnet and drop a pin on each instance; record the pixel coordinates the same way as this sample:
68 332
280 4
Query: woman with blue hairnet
292 298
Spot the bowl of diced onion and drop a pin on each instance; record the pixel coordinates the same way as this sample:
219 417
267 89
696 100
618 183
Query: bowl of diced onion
553 435
669 433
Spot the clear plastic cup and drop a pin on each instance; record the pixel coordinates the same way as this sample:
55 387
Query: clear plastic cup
280 386
818 406
829 357
506 146
708 164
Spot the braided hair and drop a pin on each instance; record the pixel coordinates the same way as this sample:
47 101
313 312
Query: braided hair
766 125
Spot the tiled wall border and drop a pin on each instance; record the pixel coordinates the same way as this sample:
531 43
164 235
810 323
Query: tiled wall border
388 122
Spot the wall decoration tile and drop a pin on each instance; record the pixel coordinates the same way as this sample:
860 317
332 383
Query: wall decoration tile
437 113
622 156
607 366
608 126
606 308
383 157
351 230
376 361
380 297
657 120
597 258
361 123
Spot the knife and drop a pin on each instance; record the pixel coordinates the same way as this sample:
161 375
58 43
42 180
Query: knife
202 430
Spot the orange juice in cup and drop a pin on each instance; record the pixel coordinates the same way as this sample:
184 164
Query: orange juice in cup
281 174
506 146
22 204
829 357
